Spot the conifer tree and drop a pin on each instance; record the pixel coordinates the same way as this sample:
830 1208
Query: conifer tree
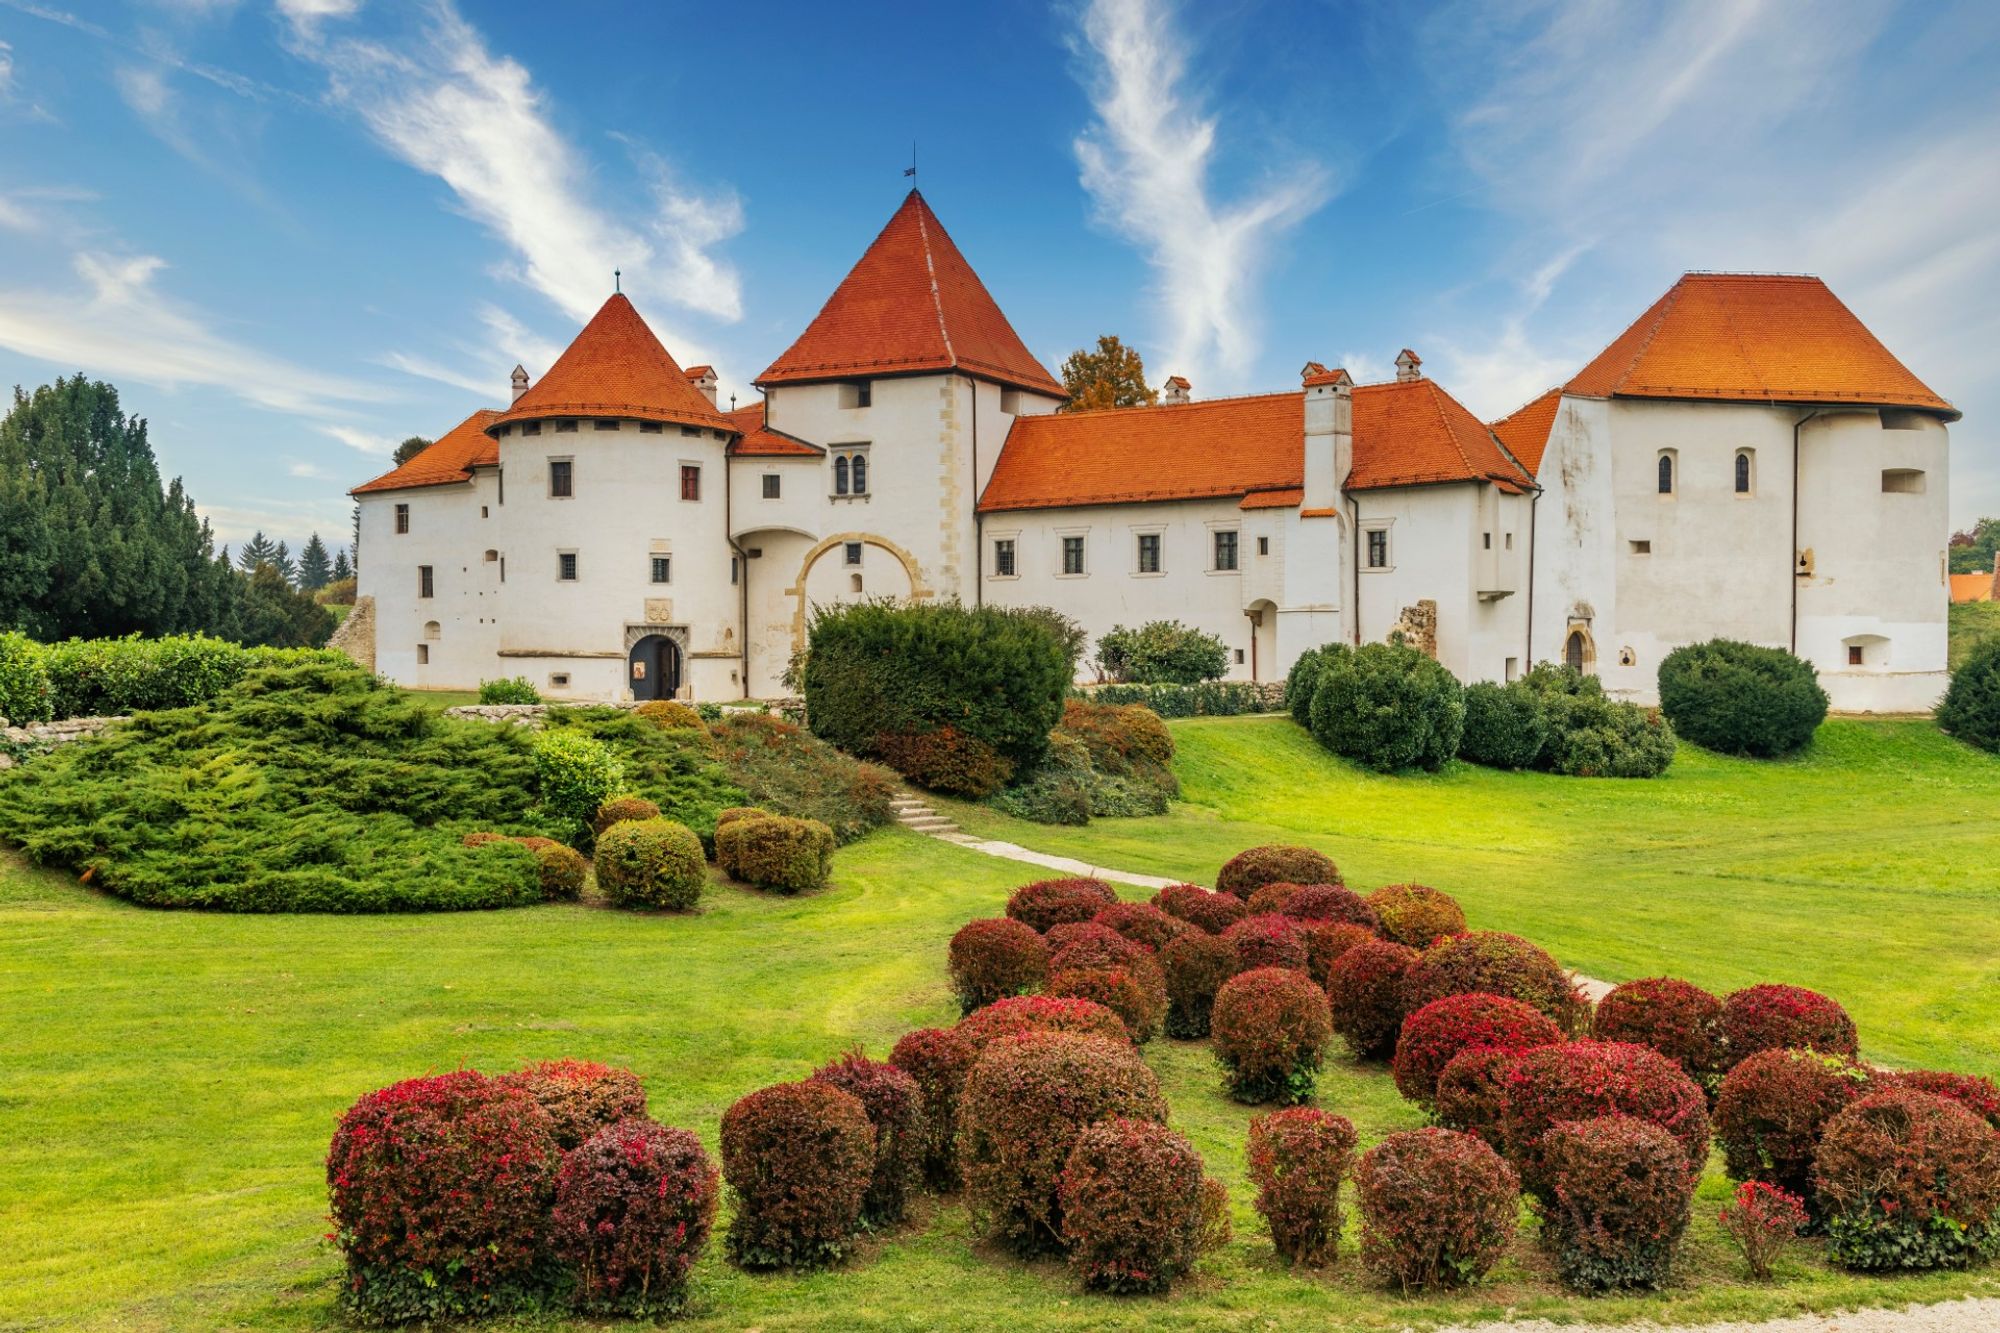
315 570
288 569
257 551
341 569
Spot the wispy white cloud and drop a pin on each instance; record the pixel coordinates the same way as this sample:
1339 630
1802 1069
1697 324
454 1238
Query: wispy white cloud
506 344
1146 160
308 471
366 441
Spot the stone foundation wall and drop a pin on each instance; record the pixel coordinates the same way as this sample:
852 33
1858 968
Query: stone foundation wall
23 742
356 634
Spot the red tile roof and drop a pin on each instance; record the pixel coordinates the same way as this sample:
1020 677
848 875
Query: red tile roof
1525 430
911 304
1974 587
1406 433
758 440
1743 337
1291 497
450 459
616 368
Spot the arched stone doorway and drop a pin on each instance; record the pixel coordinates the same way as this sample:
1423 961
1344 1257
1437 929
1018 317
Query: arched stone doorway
1580 650
655 661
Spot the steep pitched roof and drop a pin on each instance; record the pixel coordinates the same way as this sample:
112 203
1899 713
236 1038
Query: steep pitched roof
1405 434
912 303
450 459
758 440
1525 430
1761 338
615 367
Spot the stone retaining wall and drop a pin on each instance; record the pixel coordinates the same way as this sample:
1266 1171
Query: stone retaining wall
37 737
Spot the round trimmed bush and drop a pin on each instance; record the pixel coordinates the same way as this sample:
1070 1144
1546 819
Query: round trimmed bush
1740 698
574 774
1908 1181
1025 1014
1437 1209
634 1206
994 958
1443 1029
560 871
1143 924
1582 1080
776 852
1328 940
1389 707
1622 1196
440 1192
1322 904
1976 1094
621 808
729 814
671 715
1416 914
1088 944
1135 991
1472 1093
799 1159
1204 909
1765 1018
939 1059
1302 681
1678 1019
1496 963
581 1096
1130 1196
1194 968
1505 726
1591 736
1053 902
1365 988
1026 1104
651 863
1297 1159
1267 941
1270 899
1771 1110
1248 871
1270 1031
895 1107
1970 709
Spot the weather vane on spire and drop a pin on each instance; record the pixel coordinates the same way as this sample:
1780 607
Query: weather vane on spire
911 171
617 280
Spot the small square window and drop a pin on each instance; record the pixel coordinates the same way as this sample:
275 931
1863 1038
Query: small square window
690 482
772 482
860 393
1642 548
1003 557
424 586
1010 402
663 569
562 479
1854 654
851 552
1225 551
402 518
1149 553
531 428
1239 657
1072 555
565 427
559 680
1378 549
566 566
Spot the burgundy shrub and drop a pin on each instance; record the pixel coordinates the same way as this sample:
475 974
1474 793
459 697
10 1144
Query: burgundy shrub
939 1059
994 958
1249 871
1135 991
1316 904
1130 1198
799 1159
1416 914
1194 968
1328 940
1582 1080
1366 986
1038 1013
1204 909
1437 1209
1271 898
1495 963
581 1096
1761 1220
634 1206
895 1107
1143 924
1770 1017
1269 940
1907 1180
1472 1093
1622 1197
1771 1110
1443 1029
1051 902
1976 1094
1297 1159
1676 1018
1091 945
1270 1030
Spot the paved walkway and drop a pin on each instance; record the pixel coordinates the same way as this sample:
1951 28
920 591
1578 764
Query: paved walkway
1972 1315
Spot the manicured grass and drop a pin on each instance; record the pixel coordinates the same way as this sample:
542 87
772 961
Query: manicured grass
1972 623
170 1079
443 699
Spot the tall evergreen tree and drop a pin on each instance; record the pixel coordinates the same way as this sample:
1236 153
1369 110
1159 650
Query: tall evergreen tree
288 569
341 569
315 570
259 550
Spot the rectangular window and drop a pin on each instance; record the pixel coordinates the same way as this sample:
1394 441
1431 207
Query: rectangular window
1378 549
734 572
1510 541
565 427
1072 555
1263 546
663 569
771 484
559 680
1854 654
1487 544
1902 481
423 580
605 423
1642 548
851 552
500 484
566 566
403 518
1003 557
531 428
1225 551
1010 402
650 428
858 394
1239 657
561 479
690 482
423 654
1149 553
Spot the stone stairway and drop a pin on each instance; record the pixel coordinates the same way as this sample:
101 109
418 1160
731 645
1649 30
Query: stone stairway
912 813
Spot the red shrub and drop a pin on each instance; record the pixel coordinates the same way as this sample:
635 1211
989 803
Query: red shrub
895 1107
1676 1018
1251 870
1498 964
1365 985
1472 1093
1194 968
1270 1031
1582 1080
1760 1221
634 1206
1771 1110
946 760
1025 1106
1297 1158
1908 1181
1131 1203
1201 908
1272 898
1437 1208
581 1096
1073 932
1092 945
1977 1095
1442 1029
994 958
1416 914
1622 1194
1143 924
1051 902
799 1159
1135 991
1769 1018
1038 1013
939 1060
1328 940
440 1193
1315 904
1268 941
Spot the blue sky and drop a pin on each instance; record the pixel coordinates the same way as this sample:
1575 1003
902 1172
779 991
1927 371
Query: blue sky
295 231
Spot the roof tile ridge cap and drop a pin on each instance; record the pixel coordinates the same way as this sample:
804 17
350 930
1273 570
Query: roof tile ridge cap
1509 416
930 270
1672 299
1223 401
1444 419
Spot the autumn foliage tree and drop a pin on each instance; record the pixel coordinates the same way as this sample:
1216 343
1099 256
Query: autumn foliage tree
1112 376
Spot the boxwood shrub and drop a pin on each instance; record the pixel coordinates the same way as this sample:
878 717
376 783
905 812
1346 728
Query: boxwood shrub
509 690
1909 1181
1270 1031
634 1207
1622 1195
621 808
560 870
1740 698
789 771
24 680
575 774
1130 1198
651 863
1161 652
1591 736
1416 914
1437 1209
799 1159
1505 726
1388 707
1970 709
1302 681
776 852
1208 698
1298 1158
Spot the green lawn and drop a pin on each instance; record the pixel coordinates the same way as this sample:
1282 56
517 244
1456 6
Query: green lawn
170 1079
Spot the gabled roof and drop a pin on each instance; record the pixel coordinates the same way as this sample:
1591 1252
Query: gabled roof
1413 433
1525 430
911 304
615 367
450 459
1756 338
758 440
1974 587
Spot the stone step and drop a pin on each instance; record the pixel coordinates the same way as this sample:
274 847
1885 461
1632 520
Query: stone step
929 825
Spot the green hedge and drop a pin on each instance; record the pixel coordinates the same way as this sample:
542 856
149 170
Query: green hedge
24 680
1210 698
1740 698
1558 720
1389 707
1505 726
112 677
1161 652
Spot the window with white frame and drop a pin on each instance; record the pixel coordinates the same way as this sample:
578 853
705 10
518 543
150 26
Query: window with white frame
1225 550
566 566
1003 557
402 518
562 479
1149 553
1072 555
1378 548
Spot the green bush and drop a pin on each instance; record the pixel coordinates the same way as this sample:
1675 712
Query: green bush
875 670
574 775
1505 726
1971 707
776 852
789 771
1740 698
651 863
1591 736
1388 707
514 691
1161 652
1302 682
678 769
24 680
108 677
1209 698
1059 791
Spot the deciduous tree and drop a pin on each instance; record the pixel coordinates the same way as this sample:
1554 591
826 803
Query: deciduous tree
1112 376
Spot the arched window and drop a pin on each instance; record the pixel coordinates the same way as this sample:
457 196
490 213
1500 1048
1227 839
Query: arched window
1666 474
856 581
433 631
861 474
1743 472
840 475
1573 649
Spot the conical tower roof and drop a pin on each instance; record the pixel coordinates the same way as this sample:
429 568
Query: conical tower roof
616 368
912 304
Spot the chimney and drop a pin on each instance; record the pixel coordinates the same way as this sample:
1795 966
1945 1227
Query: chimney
1177 391
703 378
1329 442
520 380
1406 366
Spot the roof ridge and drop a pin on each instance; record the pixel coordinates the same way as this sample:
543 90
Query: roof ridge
1173 407
930 268
1509 416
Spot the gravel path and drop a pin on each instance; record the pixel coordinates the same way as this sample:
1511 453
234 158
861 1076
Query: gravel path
1972 1315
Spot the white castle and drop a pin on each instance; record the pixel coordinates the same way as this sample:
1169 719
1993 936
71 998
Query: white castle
1746 460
